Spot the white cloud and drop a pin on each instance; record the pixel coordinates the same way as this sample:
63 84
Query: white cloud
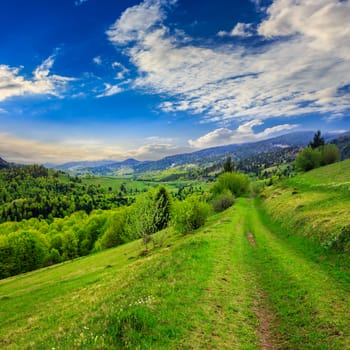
323 23
244 133
122 70
156 151
42 83
28 151
298 74
97 60
136 22
240 29
110 90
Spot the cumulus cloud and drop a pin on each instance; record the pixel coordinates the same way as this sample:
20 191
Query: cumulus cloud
323 23
42 82
136 22
299 72
244 133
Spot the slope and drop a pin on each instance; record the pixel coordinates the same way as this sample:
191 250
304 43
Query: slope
315 204
241 282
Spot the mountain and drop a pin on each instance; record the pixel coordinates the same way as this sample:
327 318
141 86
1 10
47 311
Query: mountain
94 167
237 151
204 157
4 164
343 143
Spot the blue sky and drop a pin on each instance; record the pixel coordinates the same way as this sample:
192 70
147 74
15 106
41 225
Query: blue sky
112 79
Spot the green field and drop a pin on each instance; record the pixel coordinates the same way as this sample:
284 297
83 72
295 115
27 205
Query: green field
114 182
251 278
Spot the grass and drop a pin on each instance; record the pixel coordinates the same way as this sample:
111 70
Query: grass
315 204
117 299
243 281
309 297
114 182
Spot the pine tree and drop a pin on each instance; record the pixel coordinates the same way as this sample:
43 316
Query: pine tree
318 141
229 165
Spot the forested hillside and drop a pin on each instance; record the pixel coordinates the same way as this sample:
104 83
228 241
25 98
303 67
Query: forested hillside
36 192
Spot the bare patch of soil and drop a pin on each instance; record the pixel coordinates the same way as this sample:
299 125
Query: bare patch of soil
251 239
267 340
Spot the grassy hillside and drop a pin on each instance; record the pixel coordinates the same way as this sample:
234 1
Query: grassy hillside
315 204
240 282
119 299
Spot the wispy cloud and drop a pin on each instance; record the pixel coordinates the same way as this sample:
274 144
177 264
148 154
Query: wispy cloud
299 72
25 150
97 60
110 90
42 82
79 2
240 29
244 133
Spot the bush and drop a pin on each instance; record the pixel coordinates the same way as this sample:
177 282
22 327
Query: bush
329 154
236 183
223 201
190 214
308 159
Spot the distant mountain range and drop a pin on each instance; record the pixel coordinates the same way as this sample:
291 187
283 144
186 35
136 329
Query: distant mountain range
199 158
202 158
4 164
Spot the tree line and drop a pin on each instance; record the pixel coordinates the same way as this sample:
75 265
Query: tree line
33 243
35 191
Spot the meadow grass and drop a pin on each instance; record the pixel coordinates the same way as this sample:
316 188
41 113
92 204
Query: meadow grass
243 281
122 299
314 204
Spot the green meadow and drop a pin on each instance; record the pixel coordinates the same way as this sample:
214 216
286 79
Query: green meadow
263 274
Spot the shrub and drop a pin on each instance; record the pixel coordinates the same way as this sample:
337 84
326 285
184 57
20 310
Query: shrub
190 214
223 201
308 159
236 183
329 154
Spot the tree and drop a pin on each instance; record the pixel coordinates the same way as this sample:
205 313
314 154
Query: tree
308 159
162 209
229 165
317 141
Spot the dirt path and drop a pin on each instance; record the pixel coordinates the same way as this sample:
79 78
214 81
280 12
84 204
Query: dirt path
264 294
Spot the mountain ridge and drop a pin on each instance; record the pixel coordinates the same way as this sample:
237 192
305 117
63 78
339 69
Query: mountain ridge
200 157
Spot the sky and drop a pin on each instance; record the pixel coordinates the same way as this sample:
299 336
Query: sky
118 79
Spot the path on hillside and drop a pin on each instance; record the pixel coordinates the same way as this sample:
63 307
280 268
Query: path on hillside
263 285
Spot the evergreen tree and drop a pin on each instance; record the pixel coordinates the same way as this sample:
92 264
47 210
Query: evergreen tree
317 141
229 165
